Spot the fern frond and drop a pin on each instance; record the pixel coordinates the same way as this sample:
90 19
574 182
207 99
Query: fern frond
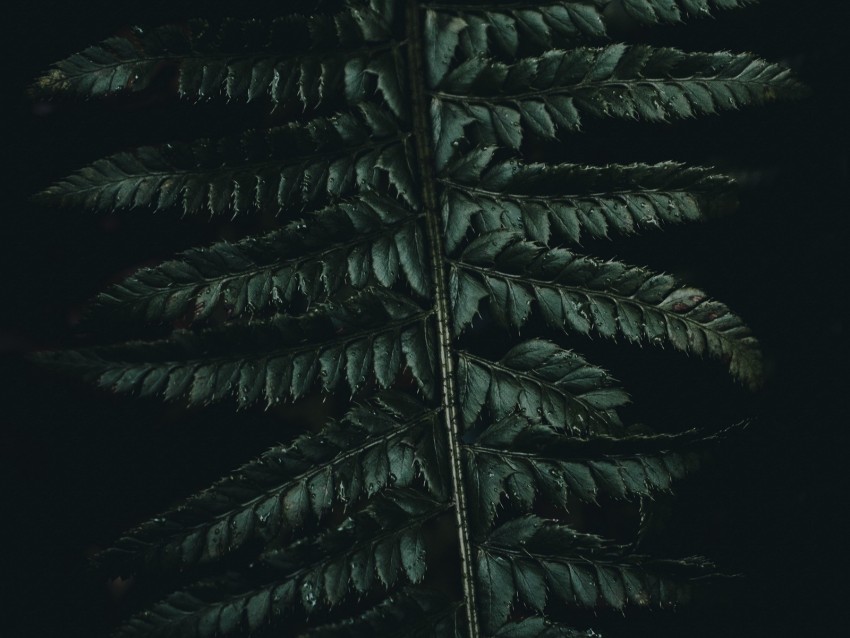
488 195
308 59
650 12
215 607
369 240
384 539
538 95
298 165
387 442
411 194
530 558
414 611
542 381
376 545
367 334
524 459
503 31
583 294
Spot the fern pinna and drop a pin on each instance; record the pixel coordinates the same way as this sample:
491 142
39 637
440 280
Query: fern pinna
410 204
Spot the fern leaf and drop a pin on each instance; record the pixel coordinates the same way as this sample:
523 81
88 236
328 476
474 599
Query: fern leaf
578 294
281 494
415 612
376 545
383 540
531 558
539 95
215 607
368 241
671 11
215 364
292 166
485 195
542 381
523 459
312 60
503 31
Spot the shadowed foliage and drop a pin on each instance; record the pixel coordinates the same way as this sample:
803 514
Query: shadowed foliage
410 201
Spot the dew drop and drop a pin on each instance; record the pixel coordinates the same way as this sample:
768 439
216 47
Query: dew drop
308 595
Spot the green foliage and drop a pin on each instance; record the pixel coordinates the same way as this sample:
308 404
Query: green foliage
290 488
540 96
539 378
530 197
523 459
580 294
369 235
410 200
296 165
516 561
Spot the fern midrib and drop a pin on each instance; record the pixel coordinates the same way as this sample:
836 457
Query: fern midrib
575 90
422 137
736 346
604 555
612 194
477 448
313 471
582 559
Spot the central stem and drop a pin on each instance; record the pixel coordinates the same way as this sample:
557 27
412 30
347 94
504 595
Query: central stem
422 135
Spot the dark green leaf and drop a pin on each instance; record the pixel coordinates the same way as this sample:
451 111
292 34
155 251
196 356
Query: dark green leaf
631 82
581 570
542 381
533 198
311 572
290 166
578 293
210 365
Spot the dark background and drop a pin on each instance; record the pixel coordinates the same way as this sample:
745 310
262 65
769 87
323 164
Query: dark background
79 466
